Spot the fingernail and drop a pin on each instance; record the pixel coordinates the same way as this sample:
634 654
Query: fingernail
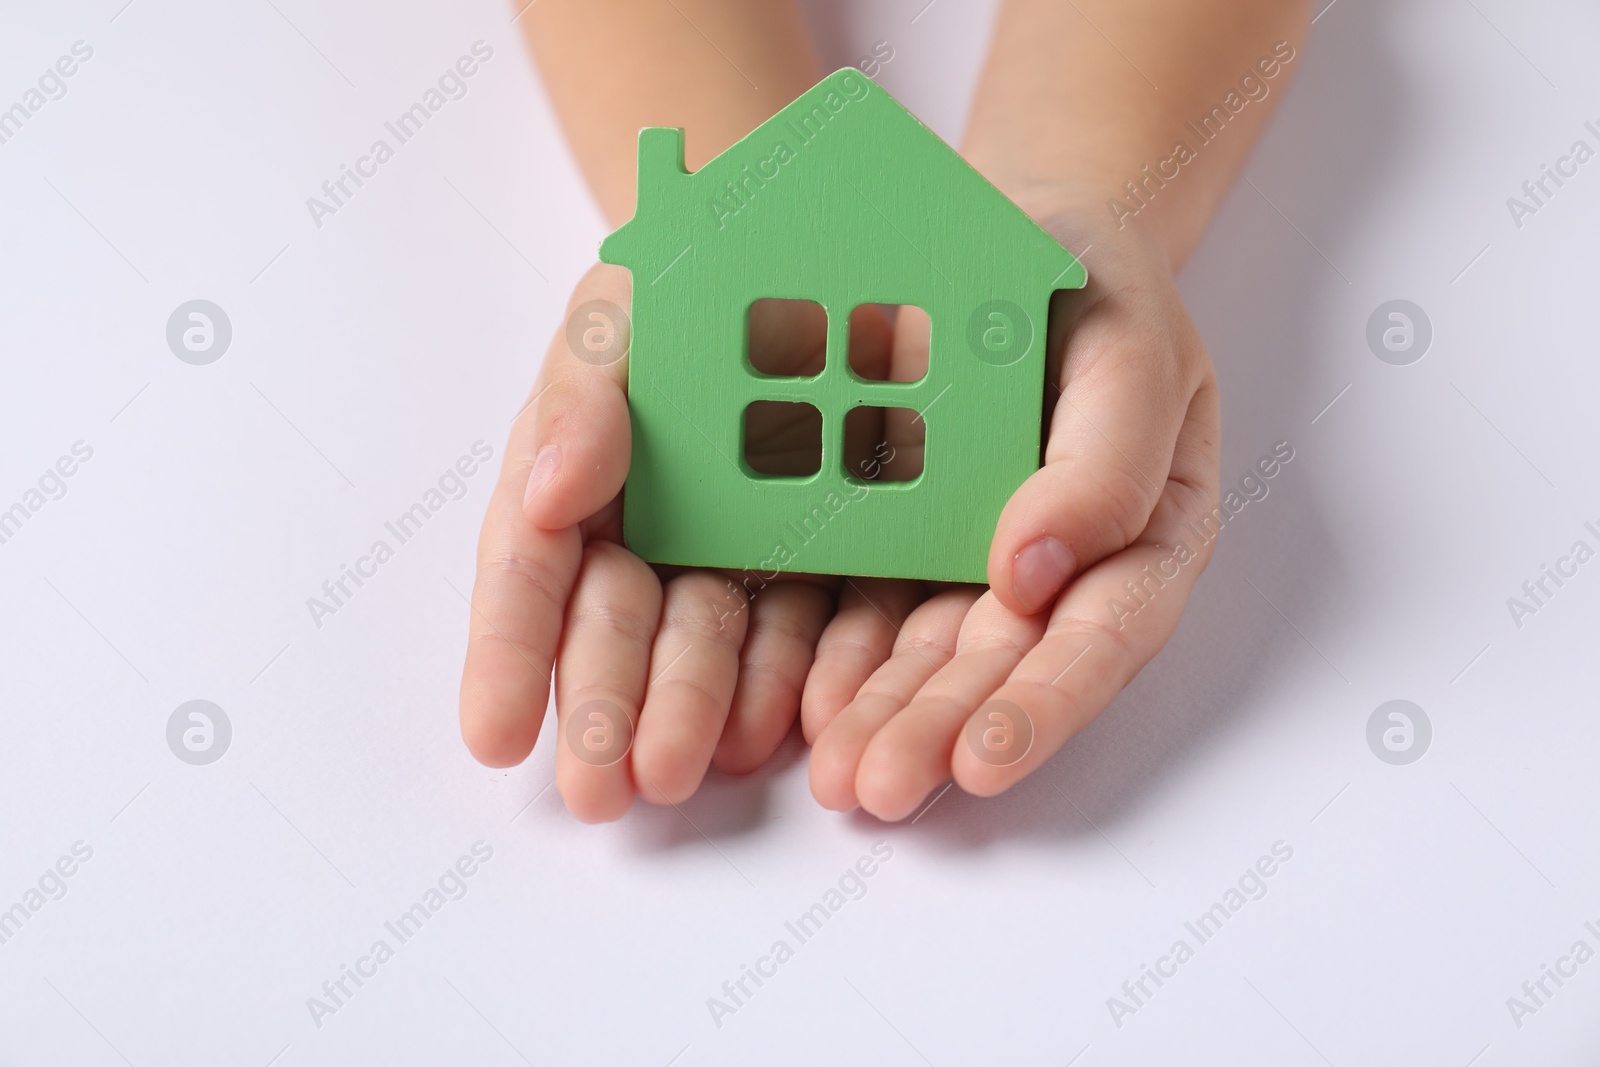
544 468
1039 571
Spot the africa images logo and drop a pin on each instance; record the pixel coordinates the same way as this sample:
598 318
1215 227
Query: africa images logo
850 886
1537 192
738 193
451 85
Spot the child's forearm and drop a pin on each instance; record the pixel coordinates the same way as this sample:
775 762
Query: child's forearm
1080 99
719 68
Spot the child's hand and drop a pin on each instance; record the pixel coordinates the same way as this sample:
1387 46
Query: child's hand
987 687
680 652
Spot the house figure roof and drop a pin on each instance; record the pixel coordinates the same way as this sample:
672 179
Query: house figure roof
842 198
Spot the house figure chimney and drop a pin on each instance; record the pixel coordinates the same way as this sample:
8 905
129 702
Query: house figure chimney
660 165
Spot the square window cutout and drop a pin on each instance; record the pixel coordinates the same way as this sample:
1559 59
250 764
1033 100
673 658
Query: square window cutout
782 439
873 328
884 445
786 338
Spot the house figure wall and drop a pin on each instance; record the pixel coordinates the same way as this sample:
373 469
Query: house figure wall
842 198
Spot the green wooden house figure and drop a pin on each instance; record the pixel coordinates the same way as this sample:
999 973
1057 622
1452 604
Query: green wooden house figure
845 199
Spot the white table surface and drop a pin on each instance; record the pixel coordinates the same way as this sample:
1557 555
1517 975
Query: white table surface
368 354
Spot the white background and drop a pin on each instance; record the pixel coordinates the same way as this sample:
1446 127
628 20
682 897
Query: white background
370 353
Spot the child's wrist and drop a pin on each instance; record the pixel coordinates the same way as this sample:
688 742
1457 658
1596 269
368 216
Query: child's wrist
1082 210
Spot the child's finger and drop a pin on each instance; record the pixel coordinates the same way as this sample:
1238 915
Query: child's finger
910 756
525 570
604 662
786 619
1110 446
857 641
694 666
524 577
908 360
871 341
1090 651
787 337
578 438
924 645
